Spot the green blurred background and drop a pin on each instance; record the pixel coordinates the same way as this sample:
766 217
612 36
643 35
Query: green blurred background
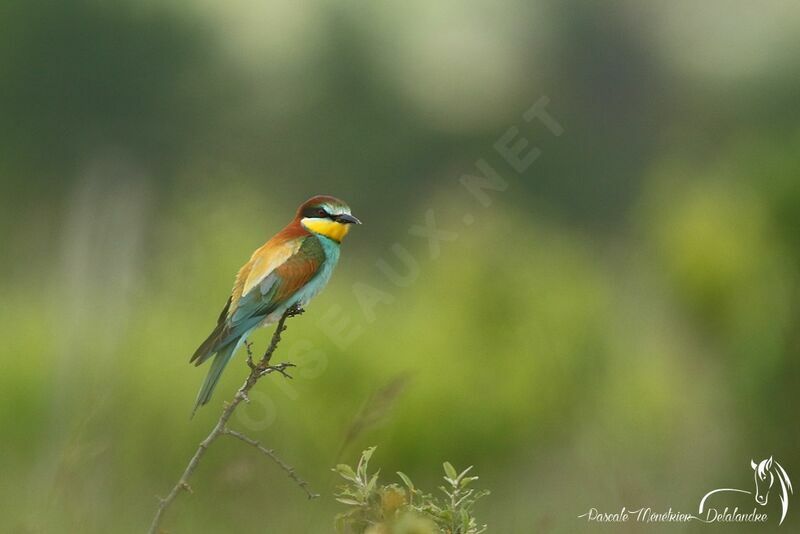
617 328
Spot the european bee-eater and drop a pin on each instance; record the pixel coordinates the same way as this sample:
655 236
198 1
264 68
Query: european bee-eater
289 269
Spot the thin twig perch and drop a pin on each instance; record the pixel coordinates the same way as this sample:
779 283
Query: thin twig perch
275 458
257 371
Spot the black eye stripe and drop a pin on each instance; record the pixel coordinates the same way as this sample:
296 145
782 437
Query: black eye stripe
315 212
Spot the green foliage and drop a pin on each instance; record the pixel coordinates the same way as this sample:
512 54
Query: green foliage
392 509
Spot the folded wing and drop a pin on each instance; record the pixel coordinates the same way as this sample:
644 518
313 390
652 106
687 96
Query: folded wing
268 281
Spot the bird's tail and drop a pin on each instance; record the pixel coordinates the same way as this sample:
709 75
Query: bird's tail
222 358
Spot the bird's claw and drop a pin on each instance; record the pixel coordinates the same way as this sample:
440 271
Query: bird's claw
295 310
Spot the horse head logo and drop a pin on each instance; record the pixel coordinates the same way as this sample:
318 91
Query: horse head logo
766 473
762 472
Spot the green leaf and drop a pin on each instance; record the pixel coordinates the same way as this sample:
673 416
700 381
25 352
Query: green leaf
406 480
372 482
467 480
366 455
346 472
351 502
364 462
465 471
450 471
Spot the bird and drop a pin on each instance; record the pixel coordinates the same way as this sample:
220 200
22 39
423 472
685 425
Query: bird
287 271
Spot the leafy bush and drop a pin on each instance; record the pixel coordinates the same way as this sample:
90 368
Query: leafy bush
394 509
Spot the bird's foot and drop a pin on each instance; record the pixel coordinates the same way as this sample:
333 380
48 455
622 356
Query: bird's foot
295 310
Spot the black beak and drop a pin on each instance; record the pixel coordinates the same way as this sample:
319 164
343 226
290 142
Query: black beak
346 219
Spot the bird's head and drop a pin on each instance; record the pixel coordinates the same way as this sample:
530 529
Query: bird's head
326 216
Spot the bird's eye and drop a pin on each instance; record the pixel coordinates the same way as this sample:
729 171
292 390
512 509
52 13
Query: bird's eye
321 212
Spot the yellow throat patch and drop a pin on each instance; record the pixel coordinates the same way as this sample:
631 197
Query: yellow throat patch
332 229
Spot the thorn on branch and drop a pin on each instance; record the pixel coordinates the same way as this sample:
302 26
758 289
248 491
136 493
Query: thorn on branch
280 368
